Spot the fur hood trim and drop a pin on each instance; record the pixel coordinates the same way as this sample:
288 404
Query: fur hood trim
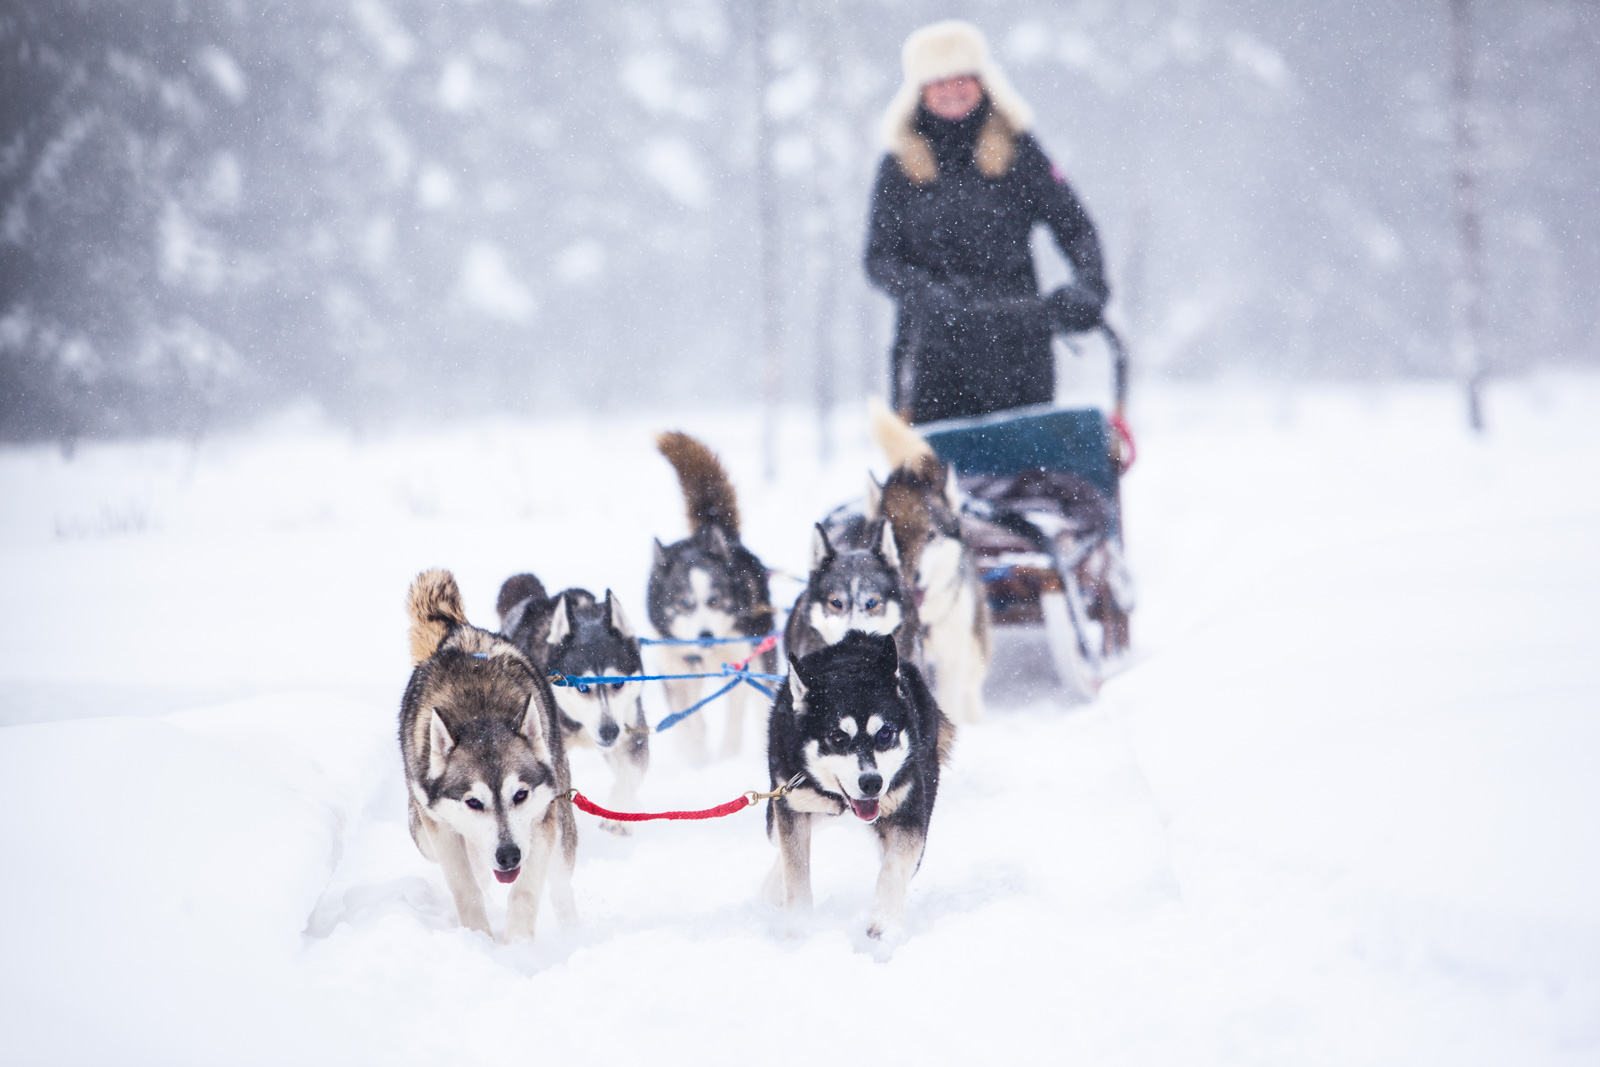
944 50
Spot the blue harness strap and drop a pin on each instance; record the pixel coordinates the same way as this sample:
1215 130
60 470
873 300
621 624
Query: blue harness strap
706 642
754 679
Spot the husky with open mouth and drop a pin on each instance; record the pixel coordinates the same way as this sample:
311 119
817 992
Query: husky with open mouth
862 732
484 763
579 636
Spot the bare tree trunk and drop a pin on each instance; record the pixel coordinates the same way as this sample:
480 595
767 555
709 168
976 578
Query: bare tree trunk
1468 288
767 220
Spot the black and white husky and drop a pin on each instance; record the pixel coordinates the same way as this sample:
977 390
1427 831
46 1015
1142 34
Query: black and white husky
579 636
484 763
862 731
855 584
707 586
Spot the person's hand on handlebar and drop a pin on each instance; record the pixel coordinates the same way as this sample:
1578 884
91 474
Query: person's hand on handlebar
1072 309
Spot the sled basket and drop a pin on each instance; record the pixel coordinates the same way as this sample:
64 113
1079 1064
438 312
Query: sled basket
1077 441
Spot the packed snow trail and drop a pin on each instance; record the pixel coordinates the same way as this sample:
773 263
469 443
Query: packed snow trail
1342 810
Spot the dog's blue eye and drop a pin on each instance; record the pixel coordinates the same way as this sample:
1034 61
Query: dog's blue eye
872 602
686 604
711 601
474 803
616 687
887 737
838 605
519 796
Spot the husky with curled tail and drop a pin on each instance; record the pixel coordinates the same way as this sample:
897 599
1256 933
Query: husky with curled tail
923 507
580 636
485 766
708 587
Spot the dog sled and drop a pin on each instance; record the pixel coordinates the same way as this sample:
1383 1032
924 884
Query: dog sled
1043 519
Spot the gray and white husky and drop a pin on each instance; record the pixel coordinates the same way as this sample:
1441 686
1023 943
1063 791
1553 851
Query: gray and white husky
707 586
863 733
923 505
579 636
484 763
855 584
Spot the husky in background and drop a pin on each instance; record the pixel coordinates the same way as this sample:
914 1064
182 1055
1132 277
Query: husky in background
855 584
707 586
580 636
922 505
484 763
861 728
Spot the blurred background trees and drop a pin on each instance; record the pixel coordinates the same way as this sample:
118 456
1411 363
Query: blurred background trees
209 210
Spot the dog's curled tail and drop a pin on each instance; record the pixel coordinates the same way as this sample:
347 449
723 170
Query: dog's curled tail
515 589
902 445
707 492
434 605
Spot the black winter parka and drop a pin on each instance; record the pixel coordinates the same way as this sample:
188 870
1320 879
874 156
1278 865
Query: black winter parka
953 249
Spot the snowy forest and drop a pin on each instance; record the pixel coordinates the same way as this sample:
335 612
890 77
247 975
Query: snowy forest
213 210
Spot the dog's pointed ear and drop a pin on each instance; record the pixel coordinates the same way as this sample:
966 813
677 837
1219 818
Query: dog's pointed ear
614 617
440 744
797 687
561 623
952 491
873 502
887 547
531 725
719 544
658 555
885 656
821 547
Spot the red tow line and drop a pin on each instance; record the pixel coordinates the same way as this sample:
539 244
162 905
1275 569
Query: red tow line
583 803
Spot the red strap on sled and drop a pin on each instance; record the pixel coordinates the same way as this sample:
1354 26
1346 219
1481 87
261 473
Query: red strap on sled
1127 451
583 803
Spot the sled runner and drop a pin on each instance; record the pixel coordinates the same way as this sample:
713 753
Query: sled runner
1043 520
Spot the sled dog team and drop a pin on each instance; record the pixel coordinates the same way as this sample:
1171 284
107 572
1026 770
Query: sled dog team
892 602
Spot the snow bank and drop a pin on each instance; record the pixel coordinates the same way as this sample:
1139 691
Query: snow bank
1342 810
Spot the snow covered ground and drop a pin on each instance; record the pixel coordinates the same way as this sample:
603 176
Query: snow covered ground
1343 810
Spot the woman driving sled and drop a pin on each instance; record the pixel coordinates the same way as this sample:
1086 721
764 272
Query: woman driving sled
955 203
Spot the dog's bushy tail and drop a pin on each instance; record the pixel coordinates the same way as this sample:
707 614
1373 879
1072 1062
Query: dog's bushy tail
902 445
707 492
515 589
434 605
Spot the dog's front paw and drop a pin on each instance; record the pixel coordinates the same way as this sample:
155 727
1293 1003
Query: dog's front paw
889 931
611 826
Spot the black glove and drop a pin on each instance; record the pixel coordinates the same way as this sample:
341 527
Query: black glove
1073 309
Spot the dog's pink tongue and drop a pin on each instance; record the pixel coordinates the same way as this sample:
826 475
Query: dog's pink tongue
866 810
511 875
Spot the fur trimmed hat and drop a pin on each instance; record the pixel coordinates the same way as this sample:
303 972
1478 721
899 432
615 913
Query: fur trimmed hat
945 50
